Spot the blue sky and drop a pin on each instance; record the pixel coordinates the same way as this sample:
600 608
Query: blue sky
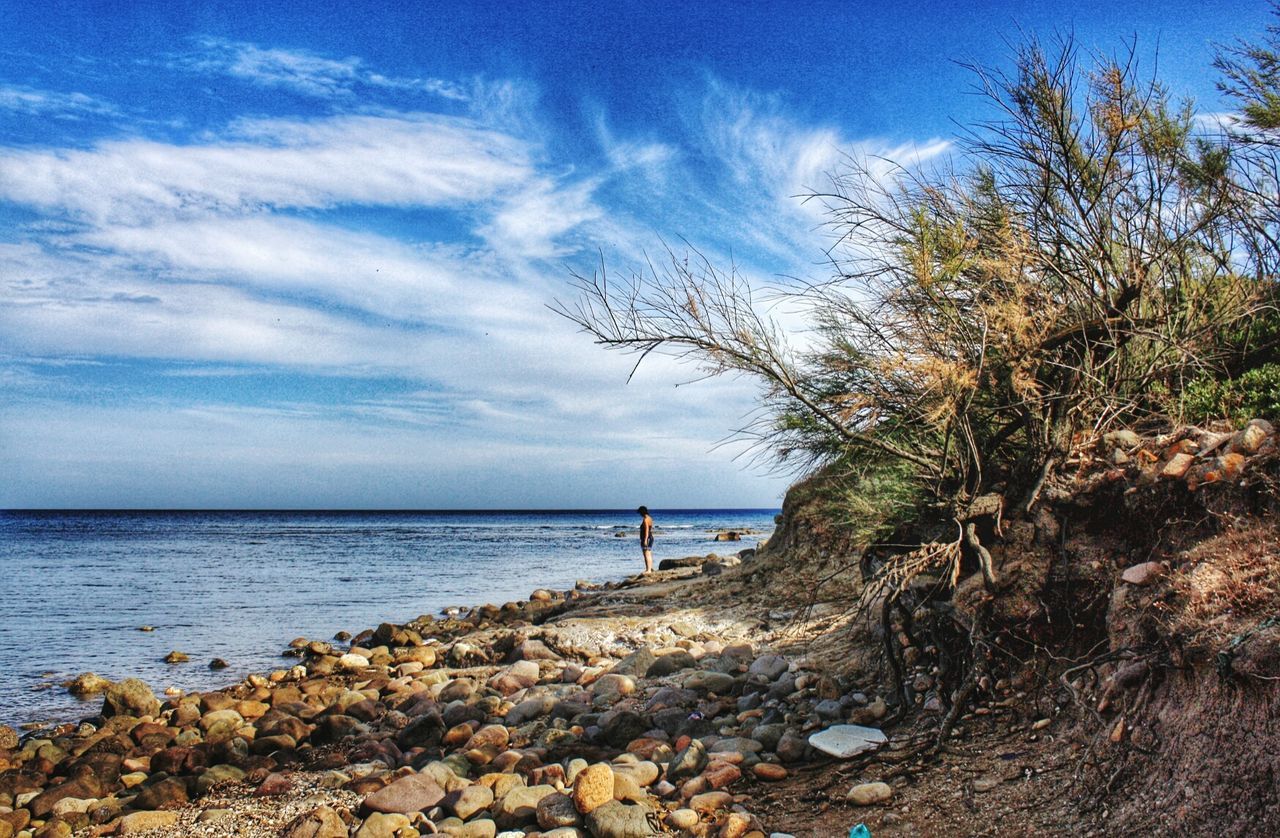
299 255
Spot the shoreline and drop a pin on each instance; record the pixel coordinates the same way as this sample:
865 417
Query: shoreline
595 651
270 579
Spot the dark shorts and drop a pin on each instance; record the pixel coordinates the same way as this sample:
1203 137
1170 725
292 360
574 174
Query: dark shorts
648 544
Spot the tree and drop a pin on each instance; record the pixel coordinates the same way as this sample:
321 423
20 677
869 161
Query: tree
1074 269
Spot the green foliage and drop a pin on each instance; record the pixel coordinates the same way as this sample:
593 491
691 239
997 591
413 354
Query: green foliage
1254 394
870 499
1251 75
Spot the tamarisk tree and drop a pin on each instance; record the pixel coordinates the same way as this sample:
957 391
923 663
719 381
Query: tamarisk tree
1075 265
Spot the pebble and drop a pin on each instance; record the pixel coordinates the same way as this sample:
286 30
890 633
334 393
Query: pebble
139 823
769 771
714 682
869 794
557 810
380 825
469 800
414 793
1143 574
985 784
593 787
711 802
617 819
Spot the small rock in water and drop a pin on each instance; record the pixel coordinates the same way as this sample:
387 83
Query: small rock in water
176 657
218 663
87 683
146 628
845 741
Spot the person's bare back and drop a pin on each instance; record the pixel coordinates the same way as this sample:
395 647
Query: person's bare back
646 538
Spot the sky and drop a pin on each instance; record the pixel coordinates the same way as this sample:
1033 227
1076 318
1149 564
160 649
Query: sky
260 255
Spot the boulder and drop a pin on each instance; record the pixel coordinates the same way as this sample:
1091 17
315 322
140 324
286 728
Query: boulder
676 564
351 662
1125 440
533 650
624 726
86 787
612 686
130 697
714 682
1177 466
772 667
169 793
517 676
478 828
688 762
1250 438
769 771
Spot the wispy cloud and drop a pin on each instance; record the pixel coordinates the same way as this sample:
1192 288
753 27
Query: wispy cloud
405 160
28 100
305 72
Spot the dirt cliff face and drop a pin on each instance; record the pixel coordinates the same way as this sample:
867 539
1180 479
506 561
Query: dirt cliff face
1187 736
1140 596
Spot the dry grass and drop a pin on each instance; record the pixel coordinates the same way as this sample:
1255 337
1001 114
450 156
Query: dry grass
1226 585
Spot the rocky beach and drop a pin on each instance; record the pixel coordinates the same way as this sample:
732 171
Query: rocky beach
675 703
734 695
595 711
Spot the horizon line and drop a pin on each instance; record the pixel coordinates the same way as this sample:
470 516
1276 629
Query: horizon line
405 510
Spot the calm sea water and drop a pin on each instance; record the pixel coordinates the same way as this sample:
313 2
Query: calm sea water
76 586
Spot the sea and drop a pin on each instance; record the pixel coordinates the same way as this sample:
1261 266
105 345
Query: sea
76 587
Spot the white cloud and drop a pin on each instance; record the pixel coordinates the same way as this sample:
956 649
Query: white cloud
409 160
530 222
304 71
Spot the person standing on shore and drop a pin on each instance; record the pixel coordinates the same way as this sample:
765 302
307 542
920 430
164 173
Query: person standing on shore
646 538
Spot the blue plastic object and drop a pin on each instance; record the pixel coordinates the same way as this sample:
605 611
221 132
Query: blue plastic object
859 831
